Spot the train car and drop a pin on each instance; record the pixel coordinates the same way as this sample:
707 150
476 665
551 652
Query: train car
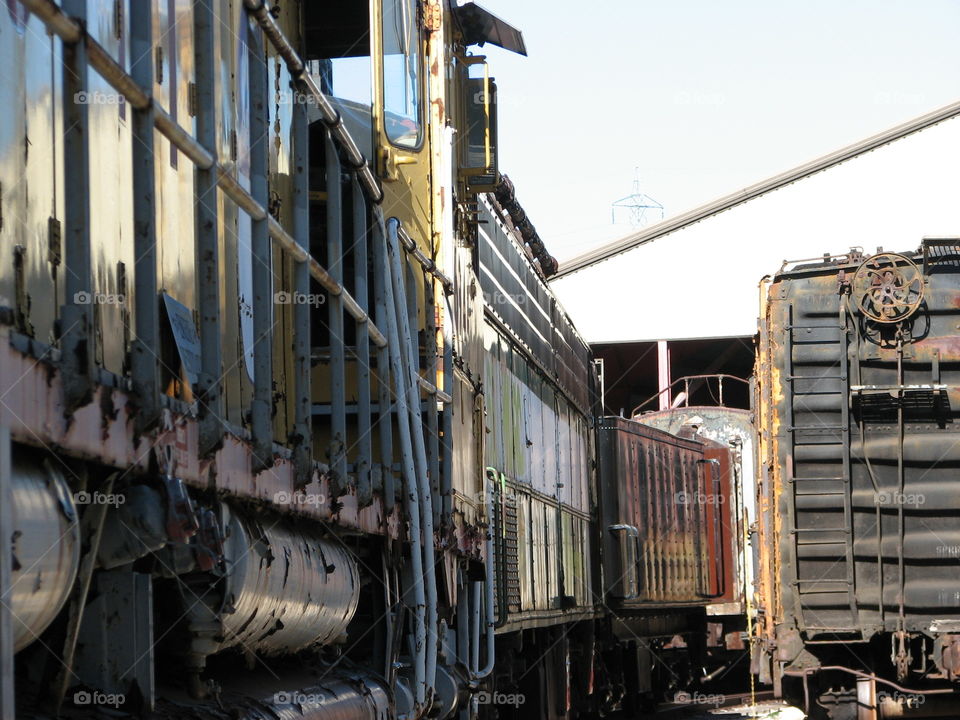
857 396
672 547
241 466
291 424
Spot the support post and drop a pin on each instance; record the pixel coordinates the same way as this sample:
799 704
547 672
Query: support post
262 405
338 390
145 350
663 374
303 422
7 707
364 442
77 318
210 384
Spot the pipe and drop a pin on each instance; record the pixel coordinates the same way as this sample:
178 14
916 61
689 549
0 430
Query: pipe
428 265
488 599
360 697
291 589
411 494
475 629
869 676
45 547
420 454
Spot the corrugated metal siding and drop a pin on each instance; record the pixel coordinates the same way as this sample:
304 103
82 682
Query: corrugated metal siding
810 337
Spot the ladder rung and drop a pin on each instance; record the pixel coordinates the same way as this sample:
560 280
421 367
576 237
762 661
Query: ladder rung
817 529
815 327
827 581
820 494
795 428
825 479
839 543
817 377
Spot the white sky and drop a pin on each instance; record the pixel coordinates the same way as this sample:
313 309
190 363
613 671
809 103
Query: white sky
704 98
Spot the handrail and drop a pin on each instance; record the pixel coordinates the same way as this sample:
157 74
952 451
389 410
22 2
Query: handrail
331 118
71 31
686 380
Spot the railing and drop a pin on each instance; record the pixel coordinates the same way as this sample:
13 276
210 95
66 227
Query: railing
376 240
685 395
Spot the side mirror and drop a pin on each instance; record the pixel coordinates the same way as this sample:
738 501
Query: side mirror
477 138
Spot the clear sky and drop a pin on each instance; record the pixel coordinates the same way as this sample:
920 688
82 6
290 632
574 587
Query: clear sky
703 97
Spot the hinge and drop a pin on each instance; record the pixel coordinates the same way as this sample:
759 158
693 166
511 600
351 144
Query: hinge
54 254
159 64
193 99
233 145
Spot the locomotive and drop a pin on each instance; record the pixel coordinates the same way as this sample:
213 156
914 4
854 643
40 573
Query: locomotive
292 425
856 412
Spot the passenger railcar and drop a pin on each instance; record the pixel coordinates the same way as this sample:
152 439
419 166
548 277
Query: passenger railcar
857 397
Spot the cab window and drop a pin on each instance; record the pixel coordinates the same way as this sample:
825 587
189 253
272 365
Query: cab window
401 73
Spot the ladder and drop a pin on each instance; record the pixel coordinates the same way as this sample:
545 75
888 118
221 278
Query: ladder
826 384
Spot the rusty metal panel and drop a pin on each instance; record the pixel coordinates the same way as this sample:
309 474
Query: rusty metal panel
860 426
651 482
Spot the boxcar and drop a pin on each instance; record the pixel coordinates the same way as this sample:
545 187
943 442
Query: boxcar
857 393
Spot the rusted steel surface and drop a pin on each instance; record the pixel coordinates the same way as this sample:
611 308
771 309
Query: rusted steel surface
31 402
857 402
654 487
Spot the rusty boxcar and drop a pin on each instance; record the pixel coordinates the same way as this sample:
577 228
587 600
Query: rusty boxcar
857 397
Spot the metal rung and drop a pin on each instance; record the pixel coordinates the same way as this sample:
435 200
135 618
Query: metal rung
797 443
816 529
825 479
815 327
816 377
828 581
795 428
819 494
831 629
819 392
839 543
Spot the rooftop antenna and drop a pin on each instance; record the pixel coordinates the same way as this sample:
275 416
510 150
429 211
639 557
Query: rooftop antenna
635 207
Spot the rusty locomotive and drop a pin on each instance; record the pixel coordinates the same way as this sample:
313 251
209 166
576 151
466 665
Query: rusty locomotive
290 423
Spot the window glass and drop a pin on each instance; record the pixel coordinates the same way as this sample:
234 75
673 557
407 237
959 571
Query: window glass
401 73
